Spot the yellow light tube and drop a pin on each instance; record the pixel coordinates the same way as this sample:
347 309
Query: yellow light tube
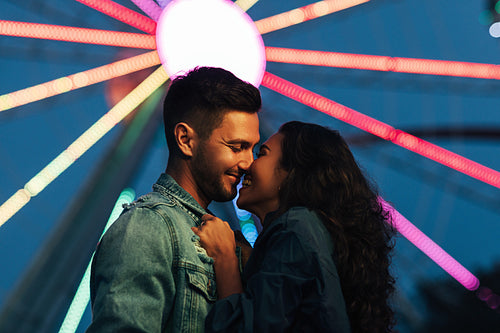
82 144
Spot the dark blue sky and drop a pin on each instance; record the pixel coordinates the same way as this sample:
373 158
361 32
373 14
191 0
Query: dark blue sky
460 213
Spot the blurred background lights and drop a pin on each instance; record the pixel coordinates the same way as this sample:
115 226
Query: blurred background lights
82 295
495 30
491 17
382 63
302 14
247 224
242 214
485 17
149 7
83 143
382 130
431 249
218 42
214 33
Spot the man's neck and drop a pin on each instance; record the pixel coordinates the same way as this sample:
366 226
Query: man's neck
181 173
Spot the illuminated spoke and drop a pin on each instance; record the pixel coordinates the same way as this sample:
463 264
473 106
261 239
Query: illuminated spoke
163 3
382 130
78 80
383 63
82 144
82 295
245 4
302 14
122 14
431 249
149 7
77 35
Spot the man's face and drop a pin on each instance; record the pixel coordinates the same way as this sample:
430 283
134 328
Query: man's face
219 161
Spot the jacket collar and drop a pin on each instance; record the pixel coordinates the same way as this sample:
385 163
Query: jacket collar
167 186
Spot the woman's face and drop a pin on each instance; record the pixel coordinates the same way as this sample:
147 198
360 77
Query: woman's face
260 188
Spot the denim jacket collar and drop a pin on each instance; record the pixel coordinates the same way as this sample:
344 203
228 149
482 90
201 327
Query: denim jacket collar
168 187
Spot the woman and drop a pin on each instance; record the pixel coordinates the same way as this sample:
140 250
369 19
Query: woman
321 263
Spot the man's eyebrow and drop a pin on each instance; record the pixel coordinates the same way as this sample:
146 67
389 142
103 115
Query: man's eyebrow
236 141
242 142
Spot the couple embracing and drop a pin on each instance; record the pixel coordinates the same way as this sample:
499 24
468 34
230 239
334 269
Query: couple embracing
320 264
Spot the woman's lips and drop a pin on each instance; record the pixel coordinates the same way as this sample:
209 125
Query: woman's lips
246 183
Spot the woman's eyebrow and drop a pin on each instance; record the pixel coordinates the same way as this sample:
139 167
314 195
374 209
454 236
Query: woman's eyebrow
263 146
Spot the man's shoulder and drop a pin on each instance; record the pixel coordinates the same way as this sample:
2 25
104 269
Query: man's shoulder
150 200
141 213
154 208
160 197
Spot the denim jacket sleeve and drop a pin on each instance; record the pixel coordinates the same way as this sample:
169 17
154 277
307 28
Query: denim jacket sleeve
132 286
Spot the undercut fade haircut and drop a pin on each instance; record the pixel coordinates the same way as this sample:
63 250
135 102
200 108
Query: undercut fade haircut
202 97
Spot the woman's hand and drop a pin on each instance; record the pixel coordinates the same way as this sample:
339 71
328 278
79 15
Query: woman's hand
216 237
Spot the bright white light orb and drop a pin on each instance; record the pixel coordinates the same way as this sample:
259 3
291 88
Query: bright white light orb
215 33
495 30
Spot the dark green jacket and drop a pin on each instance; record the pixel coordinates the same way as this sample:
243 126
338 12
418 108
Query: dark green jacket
291 282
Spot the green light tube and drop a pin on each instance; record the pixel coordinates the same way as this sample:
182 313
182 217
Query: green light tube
82 296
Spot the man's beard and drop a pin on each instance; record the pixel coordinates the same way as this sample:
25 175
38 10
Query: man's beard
209 180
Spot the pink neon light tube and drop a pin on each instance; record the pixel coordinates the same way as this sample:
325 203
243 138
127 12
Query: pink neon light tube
77 35
383 63
123 14
382 130
149 7
431 249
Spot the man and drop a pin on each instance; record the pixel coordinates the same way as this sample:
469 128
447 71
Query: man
149 273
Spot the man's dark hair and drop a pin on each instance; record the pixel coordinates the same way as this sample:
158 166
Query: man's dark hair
202 97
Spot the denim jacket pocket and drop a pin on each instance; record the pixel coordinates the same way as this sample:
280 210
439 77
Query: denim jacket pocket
203 284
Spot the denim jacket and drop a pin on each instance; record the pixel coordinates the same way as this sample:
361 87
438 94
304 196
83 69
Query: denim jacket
149 273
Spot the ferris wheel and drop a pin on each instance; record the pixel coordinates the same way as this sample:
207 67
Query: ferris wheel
393 88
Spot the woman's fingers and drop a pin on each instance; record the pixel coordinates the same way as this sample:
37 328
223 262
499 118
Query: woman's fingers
209 218
216 236
214 221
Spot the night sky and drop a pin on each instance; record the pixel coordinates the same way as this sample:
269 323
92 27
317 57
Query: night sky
458 212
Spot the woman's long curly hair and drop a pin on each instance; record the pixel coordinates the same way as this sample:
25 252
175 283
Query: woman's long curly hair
324 177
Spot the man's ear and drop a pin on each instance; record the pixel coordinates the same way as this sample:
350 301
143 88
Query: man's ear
185 137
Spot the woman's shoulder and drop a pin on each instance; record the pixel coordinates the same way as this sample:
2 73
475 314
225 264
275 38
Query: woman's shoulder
305 229
296 215
302 221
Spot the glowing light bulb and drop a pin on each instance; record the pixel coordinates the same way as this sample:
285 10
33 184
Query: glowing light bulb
214 33
495 30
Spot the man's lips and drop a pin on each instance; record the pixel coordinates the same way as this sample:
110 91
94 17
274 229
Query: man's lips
235 176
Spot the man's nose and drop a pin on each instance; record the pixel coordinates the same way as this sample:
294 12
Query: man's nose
247 160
